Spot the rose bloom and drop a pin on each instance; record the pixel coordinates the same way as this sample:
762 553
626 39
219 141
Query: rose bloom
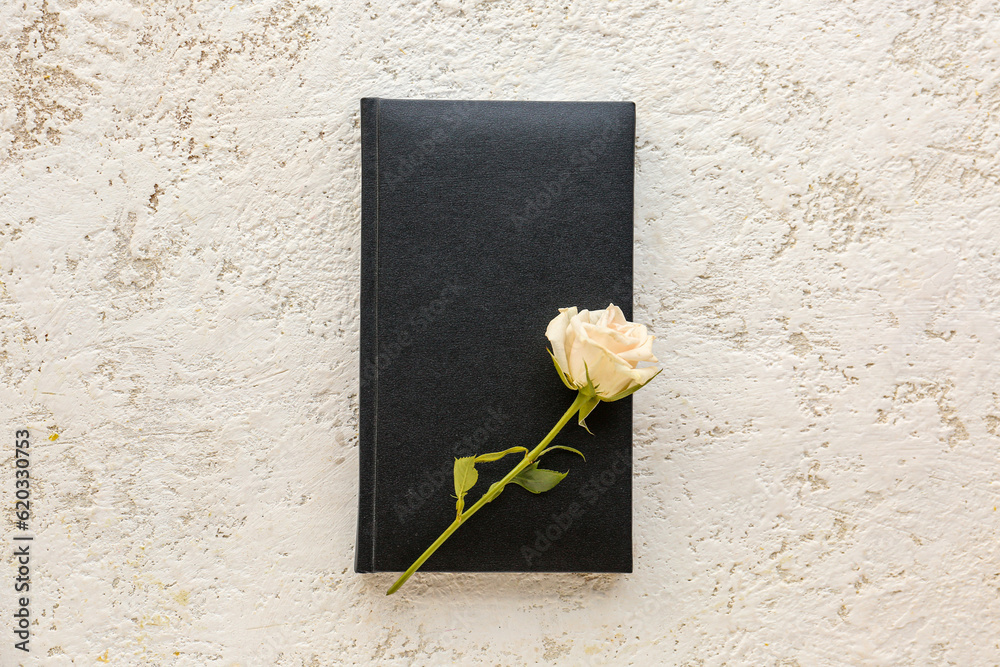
604 346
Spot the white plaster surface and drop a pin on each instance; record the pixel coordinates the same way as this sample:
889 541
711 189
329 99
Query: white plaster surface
817 233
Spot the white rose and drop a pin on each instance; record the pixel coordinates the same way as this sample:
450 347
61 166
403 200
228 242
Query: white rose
598 353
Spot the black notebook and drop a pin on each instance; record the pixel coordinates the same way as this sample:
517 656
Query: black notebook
479 221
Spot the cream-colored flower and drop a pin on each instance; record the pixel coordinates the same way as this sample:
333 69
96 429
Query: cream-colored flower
598 353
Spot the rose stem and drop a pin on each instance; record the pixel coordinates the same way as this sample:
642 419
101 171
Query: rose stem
492 493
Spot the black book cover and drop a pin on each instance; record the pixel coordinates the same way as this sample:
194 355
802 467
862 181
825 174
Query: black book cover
479 221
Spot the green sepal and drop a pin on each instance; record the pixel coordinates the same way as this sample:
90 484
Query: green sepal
538 480
496 456
575 451
466 477
562 376
585 409
629 392
590 389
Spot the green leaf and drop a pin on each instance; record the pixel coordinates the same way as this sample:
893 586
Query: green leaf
496 456
629 392
562 376
575 451
465 474
465 478
538 480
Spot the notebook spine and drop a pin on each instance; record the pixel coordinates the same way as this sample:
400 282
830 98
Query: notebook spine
364 557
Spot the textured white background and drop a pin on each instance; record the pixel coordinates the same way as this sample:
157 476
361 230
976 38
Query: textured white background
817 233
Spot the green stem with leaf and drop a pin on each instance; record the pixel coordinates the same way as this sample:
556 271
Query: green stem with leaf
526 474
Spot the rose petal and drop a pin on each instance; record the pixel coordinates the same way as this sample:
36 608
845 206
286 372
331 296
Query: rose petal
642 352
615 341
575 339
613 318
608 371
556 333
